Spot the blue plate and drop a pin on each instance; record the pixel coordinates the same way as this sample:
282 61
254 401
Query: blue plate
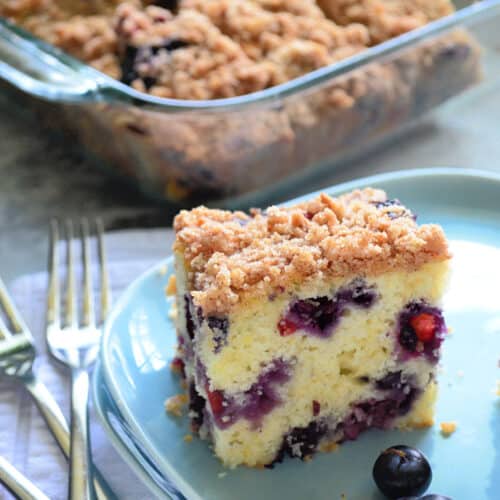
123 439
139 341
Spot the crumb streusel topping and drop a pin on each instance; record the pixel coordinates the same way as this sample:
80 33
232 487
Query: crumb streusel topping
231 254
206 49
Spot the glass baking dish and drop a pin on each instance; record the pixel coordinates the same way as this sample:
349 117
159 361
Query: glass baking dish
234 151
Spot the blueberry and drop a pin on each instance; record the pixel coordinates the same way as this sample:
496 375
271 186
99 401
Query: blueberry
319 316
219 327
402 471
167 4
431 326
196 406
392 380
387 203
300 442
435 497
427 497
134 56
190 326
408 338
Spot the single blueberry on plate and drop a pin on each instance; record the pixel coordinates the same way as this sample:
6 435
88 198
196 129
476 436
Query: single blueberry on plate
402 471
435 497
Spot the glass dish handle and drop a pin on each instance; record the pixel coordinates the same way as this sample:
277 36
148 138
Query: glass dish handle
43 71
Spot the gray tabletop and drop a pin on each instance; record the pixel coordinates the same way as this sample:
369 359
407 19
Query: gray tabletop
41 177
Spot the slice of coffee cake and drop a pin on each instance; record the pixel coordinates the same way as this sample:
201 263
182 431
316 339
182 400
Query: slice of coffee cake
300 327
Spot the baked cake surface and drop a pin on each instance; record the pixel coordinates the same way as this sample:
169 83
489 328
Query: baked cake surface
299 327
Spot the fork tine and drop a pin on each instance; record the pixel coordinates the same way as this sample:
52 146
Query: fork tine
71 307
88 293
11 312
105 288
54 299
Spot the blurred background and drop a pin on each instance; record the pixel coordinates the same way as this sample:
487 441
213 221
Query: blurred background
122 156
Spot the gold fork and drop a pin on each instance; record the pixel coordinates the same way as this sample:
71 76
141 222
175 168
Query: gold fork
17 354
17 484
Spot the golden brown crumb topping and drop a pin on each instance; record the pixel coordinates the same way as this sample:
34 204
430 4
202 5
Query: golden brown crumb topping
231 254
222 48
386 18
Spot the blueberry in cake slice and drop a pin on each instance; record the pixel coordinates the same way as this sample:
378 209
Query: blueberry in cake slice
300 327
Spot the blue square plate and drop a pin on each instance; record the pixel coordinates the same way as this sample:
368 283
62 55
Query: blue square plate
134 378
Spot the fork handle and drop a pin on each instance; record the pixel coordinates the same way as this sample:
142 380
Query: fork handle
50 411
80 485
58 425
17 484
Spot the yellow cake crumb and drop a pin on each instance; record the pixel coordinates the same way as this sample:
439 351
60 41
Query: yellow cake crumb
177 366
497 392
163 270
448 428
172 313
328 447
188 438
171 288
175 404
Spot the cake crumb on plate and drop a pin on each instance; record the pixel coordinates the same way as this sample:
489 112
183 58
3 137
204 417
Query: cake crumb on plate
172 313
175 404
171 288
448 428
188 438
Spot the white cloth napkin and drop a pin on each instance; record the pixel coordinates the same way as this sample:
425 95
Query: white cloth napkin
24 438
